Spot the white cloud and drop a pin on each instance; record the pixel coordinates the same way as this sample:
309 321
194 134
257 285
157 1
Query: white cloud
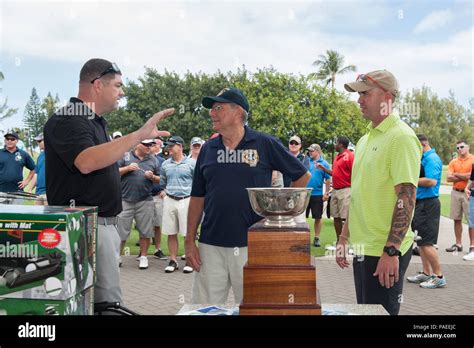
207 36
435 20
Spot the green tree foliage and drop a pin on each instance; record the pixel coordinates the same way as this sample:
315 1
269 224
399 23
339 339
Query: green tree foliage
329 66
50 104
443 120
281 104
34 118
5 111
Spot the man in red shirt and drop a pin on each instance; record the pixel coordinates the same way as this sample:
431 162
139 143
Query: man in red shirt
341 183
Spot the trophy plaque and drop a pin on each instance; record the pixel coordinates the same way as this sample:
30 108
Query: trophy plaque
278 276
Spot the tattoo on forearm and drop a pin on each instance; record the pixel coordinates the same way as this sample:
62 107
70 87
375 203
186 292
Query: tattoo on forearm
402 213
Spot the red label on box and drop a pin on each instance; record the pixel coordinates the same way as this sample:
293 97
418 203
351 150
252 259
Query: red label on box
49 238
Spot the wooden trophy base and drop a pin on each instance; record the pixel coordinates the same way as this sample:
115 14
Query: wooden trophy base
278 277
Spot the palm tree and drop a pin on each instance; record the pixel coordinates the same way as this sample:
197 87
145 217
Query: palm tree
330 65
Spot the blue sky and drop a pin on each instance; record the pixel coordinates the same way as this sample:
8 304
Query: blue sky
44 44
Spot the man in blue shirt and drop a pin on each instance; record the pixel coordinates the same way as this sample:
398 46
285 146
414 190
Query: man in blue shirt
426 218
238 158
12 162
39 180
318 178
176 179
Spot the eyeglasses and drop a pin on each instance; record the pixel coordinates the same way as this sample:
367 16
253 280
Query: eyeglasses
364 78
111 69
217 108
10 139
148 144
460 147
294 143
311 150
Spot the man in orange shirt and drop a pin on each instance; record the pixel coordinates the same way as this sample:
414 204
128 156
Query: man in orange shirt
459 171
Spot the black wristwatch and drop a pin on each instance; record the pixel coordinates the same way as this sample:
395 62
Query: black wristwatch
392 251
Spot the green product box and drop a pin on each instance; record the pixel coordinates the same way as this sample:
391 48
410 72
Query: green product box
81 303
46 252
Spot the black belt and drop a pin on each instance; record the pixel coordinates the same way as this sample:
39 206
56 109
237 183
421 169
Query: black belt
111 220
342 188
455 189
425 199
176 198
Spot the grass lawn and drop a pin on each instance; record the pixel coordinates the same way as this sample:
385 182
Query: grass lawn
328 236
445 204
443 175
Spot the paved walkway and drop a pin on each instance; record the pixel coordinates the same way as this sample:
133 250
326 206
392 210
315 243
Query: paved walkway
152 291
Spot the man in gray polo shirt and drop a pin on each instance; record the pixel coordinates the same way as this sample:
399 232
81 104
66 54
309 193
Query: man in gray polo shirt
177 180
139 170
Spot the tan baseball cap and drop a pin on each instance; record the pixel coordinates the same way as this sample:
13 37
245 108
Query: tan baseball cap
375 79
314 147
295 138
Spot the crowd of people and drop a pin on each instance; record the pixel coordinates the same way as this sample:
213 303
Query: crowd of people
371 193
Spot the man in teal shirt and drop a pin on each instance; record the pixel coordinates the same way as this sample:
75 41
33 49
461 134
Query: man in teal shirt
384 180
318 178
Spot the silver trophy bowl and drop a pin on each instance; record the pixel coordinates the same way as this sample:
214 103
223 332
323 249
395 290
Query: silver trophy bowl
279 205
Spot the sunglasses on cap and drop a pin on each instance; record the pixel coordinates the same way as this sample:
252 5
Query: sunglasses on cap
294 142
365 78
111 69
460 147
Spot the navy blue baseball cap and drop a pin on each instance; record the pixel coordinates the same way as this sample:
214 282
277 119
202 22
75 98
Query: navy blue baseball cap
227 95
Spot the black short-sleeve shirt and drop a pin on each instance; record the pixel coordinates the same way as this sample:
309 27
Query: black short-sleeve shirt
67 133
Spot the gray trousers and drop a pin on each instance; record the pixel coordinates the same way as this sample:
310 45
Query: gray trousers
107 285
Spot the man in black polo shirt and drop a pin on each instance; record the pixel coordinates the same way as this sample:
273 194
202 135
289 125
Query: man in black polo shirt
81 162
238 158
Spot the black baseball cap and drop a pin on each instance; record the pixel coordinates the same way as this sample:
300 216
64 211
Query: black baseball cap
227 95
12 134
175 139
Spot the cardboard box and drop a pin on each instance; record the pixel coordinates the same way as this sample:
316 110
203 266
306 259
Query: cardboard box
46 252
79 304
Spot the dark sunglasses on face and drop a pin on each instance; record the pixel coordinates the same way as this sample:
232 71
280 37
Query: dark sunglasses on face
39 141
10 139
111 69
293 143
460 147
148 144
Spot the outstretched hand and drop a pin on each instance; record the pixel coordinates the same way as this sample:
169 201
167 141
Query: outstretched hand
150 130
